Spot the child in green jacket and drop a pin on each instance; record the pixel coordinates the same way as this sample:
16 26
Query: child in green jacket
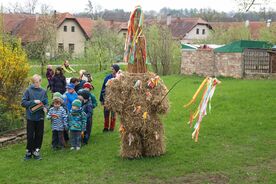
77 124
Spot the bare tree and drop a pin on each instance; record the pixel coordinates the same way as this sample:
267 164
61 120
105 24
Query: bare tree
15 8
47 33
246 5
30 6
45 9
90 9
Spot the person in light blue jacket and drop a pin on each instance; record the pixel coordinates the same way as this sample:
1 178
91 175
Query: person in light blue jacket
70 96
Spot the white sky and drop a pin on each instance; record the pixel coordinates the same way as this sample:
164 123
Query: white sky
74 6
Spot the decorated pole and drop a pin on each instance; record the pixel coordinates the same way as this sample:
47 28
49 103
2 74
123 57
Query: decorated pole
135 46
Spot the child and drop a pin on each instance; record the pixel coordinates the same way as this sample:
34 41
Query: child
87 107
70 96
58 117
49 76
78 83
77 124
88 87
34 95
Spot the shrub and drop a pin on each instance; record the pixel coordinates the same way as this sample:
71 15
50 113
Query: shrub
14 70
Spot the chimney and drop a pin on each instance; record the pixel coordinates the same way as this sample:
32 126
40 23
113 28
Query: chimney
169 19
268 23
246 24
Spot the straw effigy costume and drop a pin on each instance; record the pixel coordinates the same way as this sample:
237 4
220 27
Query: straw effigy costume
138 97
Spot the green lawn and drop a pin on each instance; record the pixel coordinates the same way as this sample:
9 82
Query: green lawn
237 143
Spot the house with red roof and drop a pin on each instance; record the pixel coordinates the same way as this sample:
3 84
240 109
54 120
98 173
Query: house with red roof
71 35
187 30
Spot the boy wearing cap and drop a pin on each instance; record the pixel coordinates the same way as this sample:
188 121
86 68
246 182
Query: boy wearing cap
58 116
109 126
77 124
87 107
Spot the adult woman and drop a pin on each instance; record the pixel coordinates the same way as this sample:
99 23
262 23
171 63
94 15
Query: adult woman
59 81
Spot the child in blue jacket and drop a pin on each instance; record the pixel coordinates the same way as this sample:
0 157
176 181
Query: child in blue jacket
70 96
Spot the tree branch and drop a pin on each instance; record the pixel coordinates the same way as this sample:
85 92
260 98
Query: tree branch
251 4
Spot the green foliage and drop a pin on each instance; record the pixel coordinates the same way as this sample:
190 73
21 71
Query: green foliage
268 34
105 47
34 50
14 70
162 50
222 36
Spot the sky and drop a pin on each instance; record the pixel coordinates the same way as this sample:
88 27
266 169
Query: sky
74 6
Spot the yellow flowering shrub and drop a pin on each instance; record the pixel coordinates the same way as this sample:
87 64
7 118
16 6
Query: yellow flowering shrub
14 70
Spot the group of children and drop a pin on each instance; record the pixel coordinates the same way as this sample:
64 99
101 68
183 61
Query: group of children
72 112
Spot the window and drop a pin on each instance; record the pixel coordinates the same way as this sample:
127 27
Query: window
73 29
60 47
197 31
71 48
65 28
203 31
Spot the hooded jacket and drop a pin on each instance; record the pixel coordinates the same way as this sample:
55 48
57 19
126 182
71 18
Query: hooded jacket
77 120
58 84
27 101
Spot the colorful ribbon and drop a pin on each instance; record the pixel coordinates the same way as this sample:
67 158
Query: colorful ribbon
201 111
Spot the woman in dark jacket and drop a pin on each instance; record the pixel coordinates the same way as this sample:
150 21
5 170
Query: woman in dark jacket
59 81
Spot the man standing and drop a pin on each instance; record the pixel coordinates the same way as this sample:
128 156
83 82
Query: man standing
109 126
35 101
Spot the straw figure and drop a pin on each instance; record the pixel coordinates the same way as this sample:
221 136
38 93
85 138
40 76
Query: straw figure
138 97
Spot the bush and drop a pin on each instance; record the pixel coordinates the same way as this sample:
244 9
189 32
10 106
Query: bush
163 51
14 70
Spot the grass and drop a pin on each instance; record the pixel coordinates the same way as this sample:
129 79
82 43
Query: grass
236 143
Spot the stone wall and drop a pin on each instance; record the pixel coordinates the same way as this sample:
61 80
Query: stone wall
13 137
199 62
229 64
208 63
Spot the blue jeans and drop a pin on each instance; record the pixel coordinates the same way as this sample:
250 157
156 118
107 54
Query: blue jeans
75 137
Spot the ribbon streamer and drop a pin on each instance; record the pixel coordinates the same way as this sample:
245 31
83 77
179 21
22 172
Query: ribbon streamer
201 111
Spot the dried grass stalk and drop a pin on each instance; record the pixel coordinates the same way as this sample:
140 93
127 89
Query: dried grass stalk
142 132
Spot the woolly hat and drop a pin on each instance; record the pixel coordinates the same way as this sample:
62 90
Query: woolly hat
58 96
85 94
76 103
88 85
116 67
70 86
